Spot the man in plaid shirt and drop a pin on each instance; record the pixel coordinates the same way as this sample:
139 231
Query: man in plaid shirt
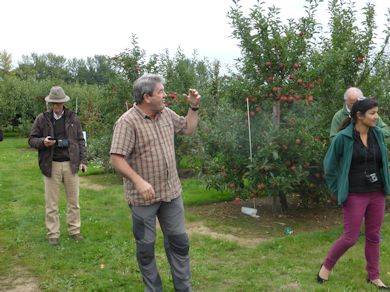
142 150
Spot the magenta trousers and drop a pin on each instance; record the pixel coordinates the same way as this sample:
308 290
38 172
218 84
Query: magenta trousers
359 206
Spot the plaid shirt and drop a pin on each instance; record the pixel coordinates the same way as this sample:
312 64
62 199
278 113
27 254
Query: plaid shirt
148 147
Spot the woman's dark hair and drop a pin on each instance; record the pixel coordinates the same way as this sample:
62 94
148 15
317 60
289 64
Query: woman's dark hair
360 106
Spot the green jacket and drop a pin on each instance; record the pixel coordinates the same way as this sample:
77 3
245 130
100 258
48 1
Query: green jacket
342 114
337 162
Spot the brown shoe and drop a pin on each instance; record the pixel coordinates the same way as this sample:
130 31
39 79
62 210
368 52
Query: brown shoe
54 241
77 237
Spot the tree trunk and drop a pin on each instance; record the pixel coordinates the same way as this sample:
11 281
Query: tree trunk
283 202
279 203
276 207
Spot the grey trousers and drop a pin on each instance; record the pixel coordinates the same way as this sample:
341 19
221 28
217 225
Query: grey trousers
176 243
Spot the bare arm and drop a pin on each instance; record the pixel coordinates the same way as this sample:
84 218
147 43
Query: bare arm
142 186
192 117
192 121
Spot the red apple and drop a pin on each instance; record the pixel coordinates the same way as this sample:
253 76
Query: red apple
172 95
299 81
298 141
296 66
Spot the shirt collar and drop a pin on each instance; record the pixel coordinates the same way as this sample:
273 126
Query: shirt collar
57 117
141 112
347 109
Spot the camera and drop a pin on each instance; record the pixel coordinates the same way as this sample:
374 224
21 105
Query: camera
62 143
371 177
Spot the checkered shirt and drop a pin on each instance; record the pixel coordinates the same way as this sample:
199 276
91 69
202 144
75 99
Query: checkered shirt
148 147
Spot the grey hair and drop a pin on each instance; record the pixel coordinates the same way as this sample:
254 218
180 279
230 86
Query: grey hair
353 89
145 85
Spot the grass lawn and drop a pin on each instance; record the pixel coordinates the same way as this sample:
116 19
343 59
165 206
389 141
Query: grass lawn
105 260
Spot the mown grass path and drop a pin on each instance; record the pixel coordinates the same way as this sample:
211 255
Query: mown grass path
105 260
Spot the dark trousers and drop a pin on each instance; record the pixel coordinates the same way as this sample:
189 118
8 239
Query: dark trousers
171 218
371 207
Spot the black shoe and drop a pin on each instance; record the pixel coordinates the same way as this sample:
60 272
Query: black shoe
319 279
379 287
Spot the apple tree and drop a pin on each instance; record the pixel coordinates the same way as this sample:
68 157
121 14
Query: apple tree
276 64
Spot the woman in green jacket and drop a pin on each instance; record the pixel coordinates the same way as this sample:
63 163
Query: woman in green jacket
356 171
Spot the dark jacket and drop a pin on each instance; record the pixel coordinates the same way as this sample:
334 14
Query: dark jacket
43 127
338 159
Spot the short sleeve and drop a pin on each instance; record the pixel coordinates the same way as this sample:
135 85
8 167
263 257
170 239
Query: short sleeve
123 138
179 122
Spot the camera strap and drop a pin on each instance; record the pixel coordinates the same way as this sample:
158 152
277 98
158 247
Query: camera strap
369 138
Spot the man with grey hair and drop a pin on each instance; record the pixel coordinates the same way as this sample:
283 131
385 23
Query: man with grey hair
142 150
61 148
352 95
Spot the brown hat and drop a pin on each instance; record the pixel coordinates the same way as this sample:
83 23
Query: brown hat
57 94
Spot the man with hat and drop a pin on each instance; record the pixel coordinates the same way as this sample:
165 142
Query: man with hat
59 139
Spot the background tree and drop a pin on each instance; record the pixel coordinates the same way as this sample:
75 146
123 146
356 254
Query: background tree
5 64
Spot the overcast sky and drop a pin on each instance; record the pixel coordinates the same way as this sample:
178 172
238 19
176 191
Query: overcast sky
83 28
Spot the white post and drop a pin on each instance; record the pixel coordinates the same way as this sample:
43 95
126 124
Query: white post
85 137
249 130
250 142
